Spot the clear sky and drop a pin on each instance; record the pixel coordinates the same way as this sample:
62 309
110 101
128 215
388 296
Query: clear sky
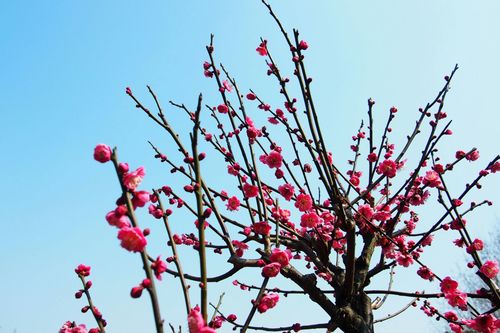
64 68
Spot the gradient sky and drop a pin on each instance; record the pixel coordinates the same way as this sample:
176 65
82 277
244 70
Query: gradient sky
65 65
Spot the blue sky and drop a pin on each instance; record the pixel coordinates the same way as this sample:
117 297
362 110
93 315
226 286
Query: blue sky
65 66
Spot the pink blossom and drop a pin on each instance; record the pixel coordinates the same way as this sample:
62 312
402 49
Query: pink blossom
271 270
427 240
425 273
448 285
404 259
227 86
159 266
117 220
132 239
102 153
455 328
287 191
473 156
309 220
490 269
140 198
156 211
281 257
354 180
495 167
304 202
388 168
262 49
233 203
431 179
457 299
240 247
477 245
274 159
451 315
82 270
268 301
365 213
383 213
372 157
485 323
72 327
250 191
133 179
261 228
196 323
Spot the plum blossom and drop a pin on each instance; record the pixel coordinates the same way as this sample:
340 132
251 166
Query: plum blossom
281 257
102 153
387 168
485 323
140 198
233 203
132 239
196 323
448 285
268 301
286 191
222 108
82 270
159 266
271 270
457 299
227 86
273 159
133 179
432 179
116 220
250 191
304 202
262 228
262 48
72 327
490 269
309 220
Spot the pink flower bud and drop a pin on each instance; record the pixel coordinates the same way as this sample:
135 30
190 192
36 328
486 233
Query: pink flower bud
136 292
102 153
123 168
222 108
